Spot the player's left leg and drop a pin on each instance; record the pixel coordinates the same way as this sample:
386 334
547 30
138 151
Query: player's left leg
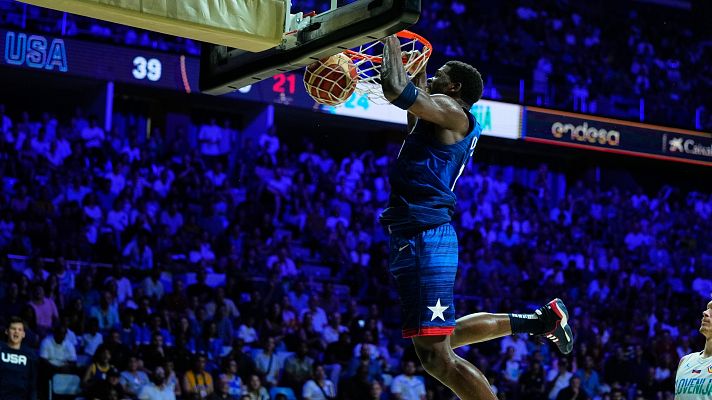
438 359
480 327
550 320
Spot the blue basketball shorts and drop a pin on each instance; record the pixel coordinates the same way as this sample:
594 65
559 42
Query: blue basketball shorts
424 266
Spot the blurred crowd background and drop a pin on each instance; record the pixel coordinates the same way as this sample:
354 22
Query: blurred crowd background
215 265
161 255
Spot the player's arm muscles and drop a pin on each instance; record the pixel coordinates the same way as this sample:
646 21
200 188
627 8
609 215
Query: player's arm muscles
439 109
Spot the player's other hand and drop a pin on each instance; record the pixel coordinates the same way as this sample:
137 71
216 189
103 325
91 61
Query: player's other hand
414 62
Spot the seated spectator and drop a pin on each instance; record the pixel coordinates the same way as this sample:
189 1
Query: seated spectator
200 289
92 339
255 389
221 299
298 368
281 263
589 378
573 391
158 388
93 135
132 379
358 386
58 351
318 314
230 381
155 354
320 388
152 285
372 365
377 392
109 389
211 344
247 331
98 370
105 312
119 351
558 379
197 383
45 310
268 364
338 354
407 386
138 253
533 384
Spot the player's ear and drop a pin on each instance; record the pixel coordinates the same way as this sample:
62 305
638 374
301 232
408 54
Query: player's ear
455 86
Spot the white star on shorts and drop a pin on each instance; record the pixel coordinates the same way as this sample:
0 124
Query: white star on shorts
438 311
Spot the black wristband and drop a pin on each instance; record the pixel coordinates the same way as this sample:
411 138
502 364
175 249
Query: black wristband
407 97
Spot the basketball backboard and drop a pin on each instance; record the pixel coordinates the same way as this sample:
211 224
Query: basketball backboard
308 38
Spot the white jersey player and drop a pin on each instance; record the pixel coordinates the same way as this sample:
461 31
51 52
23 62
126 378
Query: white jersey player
694 374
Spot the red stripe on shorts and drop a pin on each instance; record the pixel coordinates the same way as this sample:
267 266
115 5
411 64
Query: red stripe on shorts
428 331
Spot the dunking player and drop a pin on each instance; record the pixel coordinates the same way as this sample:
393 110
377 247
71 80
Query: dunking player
694 374
423 245
18 366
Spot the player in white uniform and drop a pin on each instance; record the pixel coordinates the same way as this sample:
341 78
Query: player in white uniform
694 374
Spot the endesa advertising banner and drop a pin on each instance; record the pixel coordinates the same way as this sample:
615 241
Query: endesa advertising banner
615 136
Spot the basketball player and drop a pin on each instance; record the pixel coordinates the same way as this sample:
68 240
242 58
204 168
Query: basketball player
18 366
694 374
423 245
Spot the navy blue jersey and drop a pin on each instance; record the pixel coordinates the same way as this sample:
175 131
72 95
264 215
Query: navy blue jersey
424 176
18 373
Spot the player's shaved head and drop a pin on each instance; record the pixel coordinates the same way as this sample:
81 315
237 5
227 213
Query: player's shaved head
470 79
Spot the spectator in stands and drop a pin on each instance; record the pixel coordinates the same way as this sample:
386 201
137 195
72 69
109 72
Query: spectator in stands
268 363
152 285
197 383
533 384
558 378
407 386
132 379
98 371
109 389
256 390
105 312
59 353
93 135
92 338
230 382
589 378
45 310
298 368
158 388
573 391
319 387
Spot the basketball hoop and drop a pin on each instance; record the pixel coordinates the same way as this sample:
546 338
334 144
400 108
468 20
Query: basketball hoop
368 62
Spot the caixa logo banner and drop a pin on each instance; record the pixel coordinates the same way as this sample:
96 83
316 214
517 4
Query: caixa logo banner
616 136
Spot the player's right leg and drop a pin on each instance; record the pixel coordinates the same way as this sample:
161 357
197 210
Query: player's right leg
550 320
438 360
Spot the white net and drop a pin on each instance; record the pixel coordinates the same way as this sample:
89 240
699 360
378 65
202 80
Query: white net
416 52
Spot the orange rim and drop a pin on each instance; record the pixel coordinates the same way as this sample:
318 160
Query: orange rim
405 34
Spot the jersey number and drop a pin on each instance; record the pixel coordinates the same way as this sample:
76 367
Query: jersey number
462 167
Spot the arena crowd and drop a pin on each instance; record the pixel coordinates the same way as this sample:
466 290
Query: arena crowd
149 266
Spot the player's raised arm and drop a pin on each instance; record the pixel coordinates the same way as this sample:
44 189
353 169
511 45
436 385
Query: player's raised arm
401 92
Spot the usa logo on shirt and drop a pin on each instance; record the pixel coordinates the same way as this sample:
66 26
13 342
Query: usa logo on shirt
709 369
